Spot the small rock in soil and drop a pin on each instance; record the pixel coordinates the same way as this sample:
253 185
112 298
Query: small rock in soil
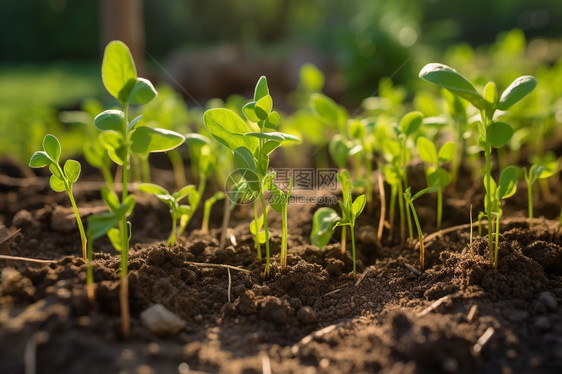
22 219
198 247
307 315
246 304
548 300
160 321
542 323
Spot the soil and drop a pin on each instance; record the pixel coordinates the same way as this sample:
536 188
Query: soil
459 315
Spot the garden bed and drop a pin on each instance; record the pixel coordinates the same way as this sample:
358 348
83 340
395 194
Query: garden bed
459 315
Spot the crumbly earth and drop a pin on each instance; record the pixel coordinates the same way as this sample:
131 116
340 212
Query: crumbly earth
459 315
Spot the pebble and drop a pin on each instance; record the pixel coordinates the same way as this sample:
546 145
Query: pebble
22 219
307 315
198 247
542 323
160 321
548 299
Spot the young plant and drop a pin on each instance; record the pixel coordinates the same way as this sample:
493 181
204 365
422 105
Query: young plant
350 211
323 226
410 202
62 178
251 147
219 195
436 175
122 138
177 210
407 126
279 201
492 133
535 172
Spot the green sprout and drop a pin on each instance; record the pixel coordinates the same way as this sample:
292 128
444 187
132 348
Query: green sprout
492 133
323 226
409 199
251 148
534 173
436 175
279 201
350 211
177 210
62 178
219 195
407 126
495 194
122 138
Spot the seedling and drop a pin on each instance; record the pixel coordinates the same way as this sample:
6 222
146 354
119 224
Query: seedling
535 172
493 134
323 225
436 175
122 137
251 148
410 202
177 210
350 211
62 178
279 201
408 125
219 195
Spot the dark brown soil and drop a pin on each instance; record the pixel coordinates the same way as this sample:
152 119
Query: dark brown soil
315 317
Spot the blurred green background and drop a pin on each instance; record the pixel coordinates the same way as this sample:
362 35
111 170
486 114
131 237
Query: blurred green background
50 50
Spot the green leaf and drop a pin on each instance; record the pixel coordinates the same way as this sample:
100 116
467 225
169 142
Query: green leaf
145 140
151 188
229 129
127 206
131 125
323 224
249 111
339 150
39 160
273 120
56 171
411 122
499 133
507 184
439 178
516 91
118 70
114 236
110 120
447 152
327 110
95 154
358 205
277 200
490 96
263 107
99 225
72 170
51 146
447 77
261 88
110 198
535 172
184 192
57 184
426 150
266 135
115 144
391 175
143 91
246 165
270 146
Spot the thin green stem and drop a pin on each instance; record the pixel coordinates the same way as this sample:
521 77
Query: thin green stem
145 170
257 230
284 239
343 240
108 178
78 221
420 234
178 167
392 209
352 229
488 171
264 212
402 218
124 291
172 239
